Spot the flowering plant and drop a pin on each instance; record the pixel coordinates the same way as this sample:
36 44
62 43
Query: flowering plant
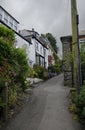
6 73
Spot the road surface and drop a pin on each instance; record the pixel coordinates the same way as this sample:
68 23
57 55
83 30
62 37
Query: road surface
46 110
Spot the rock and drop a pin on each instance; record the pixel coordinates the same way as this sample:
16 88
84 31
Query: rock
28 91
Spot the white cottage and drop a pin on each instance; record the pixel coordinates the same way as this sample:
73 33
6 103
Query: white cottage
38 51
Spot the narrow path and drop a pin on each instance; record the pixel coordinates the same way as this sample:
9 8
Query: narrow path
47 109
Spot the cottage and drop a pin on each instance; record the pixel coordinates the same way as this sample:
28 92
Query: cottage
38 51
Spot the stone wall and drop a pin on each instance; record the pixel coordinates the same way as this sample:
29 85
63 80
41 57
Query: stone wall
67 67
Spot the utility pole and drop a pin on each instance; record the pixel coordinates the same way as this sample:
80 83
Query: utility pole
75 45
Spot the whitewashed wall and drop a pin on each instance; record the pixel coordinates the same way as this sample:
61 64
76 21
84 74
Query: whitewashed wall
20 42
32 53
46 58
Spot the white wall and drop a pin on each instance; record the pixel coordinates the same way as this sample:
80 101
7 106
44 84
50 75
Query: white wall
20 42
32 53
46 58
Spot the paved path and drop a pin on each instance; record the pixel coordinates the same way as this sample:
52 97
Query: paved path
47 109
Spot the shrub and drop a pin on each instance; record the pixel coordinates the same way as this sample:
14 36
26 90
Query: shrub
12 98
80 104
13 65
32 73
21 66
7 35
82 54
40 71
57 68
2 104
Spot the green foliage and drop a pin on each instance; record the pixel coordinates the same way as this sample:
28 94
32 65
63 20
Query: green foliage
80 104
12 97
69 58
40 71
52 40
73 108
13 65
2 104
5 66
27 83
56 58
57 68
32 73
82 54
7 34
20 65
77 106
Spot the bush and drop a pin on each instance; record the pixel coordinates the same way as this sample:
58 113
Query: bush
57 68
32 73
13 66
21 66
80 104
40 71
12 98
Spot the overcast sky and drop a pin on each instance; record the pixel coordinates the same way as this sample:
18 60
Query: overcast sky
53 16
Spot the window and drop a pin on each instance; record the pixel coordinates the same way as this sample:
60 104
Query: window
0 16
37 46
42 61
1 13
6 18
44 52
15 25
37 59
41 49
15 28
11 22
30 62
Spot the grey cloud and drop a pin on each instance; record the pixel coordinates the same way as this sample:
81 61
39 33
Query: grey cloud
52 16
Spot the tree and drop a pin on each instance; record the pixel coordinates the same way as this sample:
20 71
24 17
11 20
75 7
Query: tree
82 54
52 41
7 35
58 63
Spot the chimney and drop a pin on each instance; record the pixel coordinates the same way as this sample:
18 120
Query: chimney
33 29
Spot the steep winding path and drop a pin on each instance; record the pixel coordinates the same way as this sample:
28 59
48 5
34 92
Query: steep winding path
46 110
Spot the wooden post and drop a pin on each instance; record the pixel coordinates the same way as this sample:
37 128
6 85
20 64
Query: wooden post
75 45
